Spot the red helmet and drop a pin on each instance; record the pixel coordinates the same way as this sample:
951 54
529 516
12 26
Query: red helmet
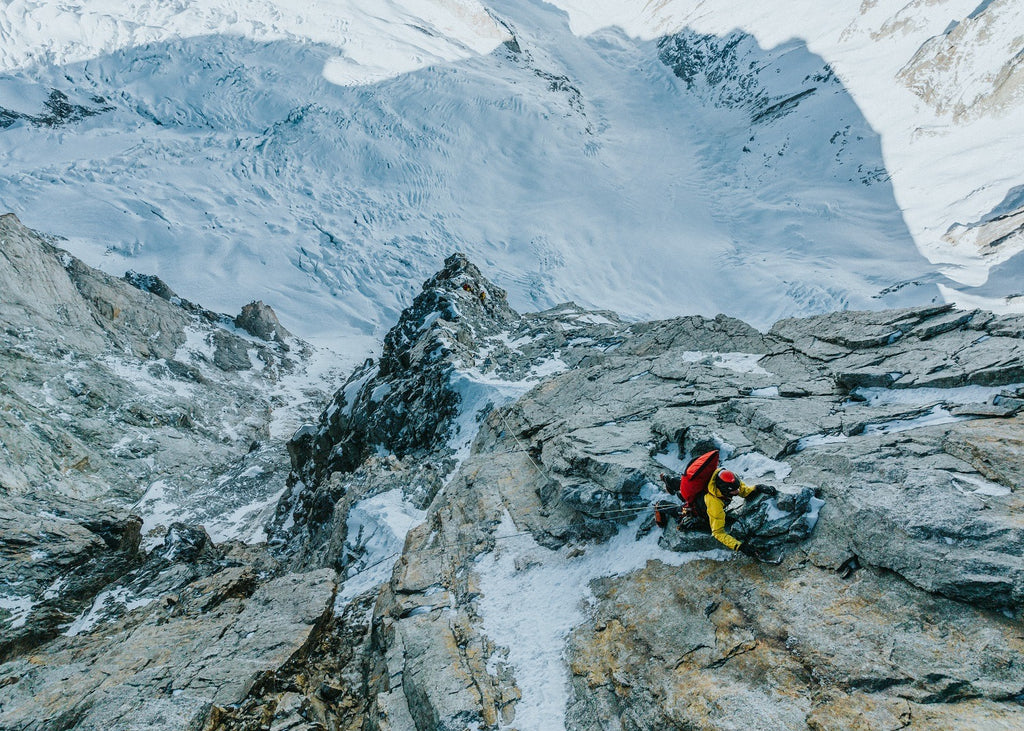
727 482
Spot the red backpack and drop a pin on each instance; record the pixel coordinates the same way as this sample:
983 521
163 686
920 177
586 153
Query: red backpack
695 479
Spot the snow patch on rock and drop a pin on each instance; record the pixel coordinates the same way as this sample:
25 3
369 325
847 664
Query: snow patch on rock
530 607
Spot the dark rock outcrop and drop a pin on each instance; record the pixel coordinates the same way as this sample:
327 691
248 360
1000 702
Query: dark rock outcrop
57 110
261 321
57 563
404 401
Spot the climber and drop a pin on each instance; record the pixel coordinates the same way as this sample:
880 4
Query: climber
706 491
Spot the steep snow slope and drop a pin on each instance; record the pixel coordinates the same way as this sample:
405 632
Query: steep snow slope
941 81
326 159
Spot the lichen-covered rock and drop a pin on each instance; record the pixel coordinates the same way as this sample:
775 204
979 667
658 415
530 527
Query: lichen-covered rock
730 646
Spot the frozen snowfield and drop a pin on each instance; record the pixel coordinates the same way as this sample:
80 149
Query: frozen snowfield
325 158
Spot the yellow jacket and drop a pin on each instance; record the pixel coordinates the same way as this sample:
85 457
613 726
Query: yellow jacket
715 503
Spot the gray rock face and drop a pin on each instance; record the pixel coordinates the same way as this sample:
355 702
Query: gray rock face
456 351
260 320
897 430
106 387
110 392
121 412
534 592
166 665
173 635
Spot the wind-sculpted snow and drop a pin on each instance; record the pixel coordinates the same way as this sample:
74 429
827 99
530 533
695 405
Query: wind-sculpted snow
576 167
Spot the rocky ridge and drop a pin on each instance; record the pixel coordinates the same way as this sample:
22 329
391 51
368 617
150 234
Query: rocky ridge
456 352
124 410
513 461
902 606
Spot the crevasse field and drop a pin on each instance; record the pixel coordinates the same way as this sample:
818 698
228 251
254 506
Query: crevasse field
659 160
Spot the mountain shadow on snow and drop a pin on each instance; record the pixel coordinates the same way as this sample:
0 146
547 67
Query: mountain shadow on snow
693 173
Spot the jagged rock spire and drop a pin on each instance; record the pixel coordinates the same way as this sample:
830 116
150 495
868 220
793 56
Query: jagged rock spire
405 401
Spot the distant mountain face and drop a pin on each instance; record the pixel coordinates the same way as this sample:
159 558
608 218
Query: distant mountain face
695 158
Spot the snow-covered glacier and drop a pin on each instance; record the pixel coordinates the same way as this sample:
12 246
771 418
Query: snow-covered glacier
654 159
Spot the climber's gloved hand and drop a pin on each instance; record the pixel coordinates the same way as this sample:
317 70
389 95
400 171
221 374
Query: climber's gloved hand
768 490
748 550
